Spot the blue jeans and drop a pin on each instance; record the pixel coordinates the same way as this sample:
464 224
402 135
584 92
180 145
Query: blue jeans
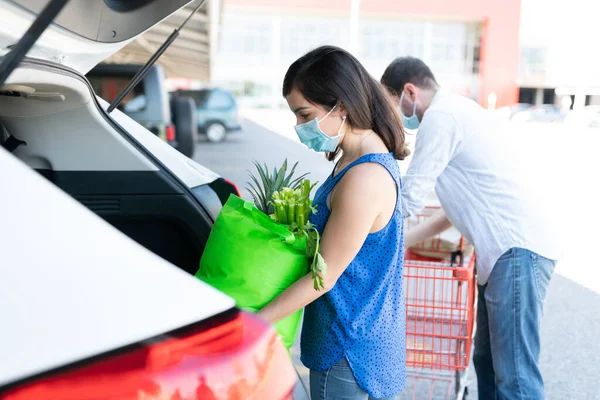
509 314
337 383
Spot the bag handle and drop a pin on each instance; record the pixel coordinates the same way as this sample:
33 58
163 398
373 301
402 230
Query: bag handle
266 222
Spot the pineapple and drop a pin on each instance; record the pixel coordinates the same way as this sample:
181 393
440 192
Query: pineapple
271 183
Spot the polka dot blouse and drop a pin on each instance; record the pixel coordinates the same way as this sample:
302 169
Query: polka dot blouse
363 317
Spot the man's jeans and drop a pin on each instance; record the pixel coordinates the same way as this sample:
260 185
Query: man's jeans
509 314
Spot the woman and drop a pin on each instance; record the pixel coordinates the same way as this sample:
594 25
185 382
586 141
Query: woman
353 337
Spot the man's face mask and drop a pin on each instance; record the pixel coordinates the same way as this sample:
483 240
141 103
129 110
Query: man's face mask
411 122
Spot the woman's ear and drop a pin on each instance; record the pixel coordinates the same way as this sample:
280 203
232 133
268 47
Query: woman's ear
343 111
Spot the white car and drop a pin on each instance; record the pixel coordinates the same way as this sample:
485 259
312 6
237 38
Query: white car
101 226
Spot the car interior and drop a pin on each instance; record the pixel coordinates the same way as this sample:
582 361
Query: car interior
51 121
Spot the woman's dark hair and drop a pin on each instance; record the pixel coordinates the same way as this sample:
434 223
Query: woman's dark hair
328 75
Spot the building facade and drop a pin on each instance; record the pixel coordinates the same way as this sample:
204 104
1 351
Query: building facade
559 52
472 46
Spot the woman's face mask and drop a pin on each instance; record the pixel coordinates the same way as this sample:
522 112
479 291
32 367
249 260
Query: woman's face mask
311 135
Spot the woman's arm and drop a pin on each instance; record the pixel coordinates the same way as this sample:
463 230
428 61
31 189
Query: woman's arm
358 201
434 225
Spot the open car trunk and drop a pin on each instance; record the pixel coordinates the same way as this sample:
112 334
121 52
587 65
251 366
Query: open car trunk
67 137
86 33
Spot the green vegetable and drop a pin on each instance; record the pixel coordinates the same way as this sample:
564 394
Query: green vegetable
300 214
280 212
318 266
266 185
293 208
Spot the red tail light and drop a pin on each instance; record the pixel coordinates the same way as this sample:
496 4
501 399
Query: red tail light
240 359
234 186
170 133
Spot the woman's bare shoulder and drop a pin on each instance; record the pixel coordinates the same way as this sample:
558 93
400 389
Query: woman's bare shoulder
368 180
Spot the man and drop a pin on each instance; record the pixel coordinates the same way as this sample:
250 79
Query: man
471 166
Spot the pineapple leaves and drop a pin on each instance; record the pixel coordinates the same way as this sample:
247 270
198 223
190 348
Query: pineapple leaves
259 197
256 193
280 176
264 184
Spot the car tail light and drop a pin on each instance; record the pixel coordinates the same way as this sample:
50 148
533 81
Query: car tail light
236 190
170 133
224 188
239 359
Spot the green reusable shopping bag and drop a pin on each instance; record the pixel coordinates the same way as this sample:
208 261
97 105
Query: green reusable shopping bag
253 259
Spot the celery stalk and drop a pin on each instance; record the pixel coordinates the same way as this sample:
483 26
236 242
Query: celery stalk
306 188
291 213
307 205
300 215
281 212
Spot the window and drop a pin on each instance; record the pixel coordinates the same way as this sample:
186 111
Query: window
385 40
549 96
448 48
219 100
241 36
109 87
300 35
199 96
527 95
533 60
473 47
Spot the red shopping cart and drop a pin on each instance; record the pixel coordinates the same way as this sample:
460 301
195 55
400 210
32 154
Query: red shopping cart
440 289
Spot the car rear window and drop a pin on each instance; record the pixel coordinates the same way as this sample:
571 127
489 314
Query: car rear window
199 96
109 87
219 100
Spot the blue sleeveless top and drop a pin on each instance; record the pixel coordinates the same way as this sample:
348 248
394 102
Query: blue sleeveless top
363 318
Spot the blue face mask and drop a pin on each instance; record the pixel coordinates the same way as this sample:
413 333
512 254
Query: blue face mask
313 137
411 122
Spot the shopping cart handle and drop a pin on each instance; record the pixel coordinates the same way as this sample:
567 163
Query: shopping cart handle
454 256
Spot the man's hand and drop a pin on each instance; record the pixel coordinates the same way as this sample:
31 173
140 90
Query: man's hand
432 226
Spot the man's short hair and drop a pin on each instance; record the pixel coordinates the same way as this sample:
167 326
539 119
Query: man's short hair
405 70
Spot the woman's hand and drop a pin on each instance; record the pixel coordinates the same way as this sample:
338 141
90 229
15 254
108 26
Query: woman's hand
264 316
358 201
269 313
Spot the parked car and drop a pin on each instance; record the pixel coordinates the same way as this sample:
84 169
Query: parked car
216 111
541 113
592 116
102 225
173 120
508 112
587 117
